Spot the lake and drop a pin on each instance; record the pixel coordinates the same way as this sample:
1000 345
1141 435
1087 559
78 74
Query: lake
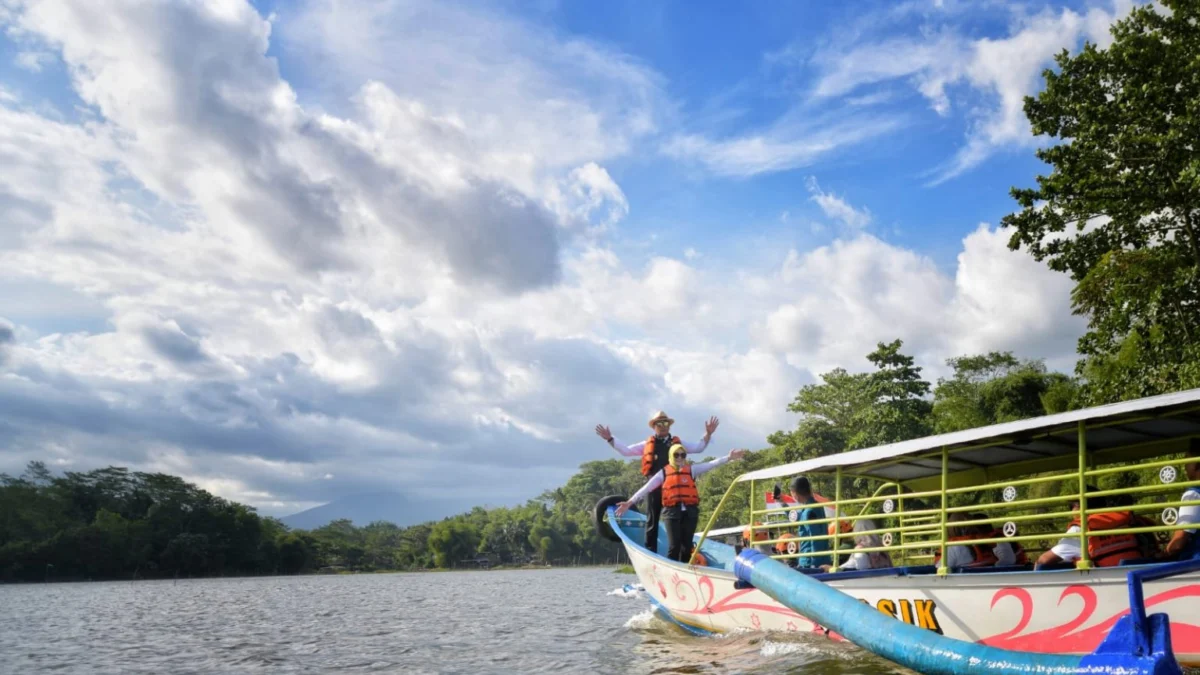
543 621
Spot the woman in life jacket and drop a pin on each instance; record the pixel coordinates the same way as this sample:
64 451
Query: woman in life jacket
680 499
865 537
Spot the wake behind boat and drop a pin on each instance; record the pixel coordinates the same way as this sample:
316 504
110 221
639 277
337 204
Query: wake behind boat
1022 477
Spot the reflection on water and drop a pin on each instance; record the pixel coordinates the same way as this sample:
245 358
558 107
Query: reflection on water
545 621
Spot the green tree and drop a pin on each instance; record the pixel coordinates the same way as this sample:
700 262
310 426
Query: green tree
1120 209
996 387
451 541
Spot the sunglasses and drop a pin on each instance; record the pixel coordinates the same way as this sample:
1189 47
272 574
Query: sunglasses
680 454
662 424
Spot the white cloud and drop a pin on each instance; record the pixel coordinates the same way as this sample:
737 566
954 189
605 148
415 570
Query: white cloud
393 292
835 207
33 61
796 140
1003 70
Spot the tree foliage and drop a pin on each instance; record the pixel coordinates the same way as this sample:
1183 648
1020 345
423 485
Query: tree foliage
997 387
1120 209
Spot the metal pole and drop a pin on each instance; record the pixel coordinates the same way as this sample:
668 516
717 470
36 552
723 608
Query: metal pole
1084 563
942 568
711 519
837 512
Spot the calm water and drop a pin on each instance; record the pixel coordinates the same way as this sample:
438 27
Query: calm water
559 621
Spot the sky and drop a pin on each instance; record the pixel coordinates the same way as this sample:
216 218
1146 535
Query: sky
294 251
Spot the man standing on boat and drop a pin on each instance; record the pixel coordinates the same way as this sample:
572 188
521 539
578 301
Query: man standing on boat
655 453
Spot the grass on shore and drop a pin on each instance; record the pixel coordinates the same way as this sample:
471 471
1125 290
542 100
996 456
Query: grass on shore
624 569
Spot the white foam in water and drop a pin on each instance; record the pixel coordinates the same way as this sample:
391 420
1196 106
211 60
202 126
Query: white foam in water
773 649
641 621
628 591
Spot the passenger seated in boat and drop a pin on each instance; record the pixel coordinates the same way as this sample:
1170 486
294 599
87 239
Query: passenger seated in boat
1185 544
865 537
1103 550
1147 543
681 501
1002 554
803 494
957 555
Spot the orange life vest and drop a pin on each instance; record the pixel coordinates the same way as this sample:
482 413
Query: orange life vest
759 535
787 546
1110 550
678 487
648 454
699 560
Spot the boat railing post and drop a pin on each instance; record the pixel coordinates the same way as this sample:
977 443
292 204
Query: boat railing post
1084 563
942 568
712 519
900 523
837 513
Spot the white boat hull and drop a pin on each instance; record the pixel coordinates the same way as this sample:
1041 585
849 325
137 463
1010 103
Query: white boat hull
1064 612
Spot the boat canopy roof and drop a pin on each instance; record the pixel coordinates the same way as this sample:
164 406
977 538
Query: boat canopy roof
1150 423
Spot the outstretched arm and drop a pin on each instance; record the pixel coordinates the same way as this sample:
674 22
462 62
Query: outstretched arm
709 427
626 450
701 469
654 483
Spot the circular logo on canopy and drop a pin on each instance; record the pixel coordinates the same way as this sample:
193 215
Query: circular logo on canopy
1009 493
1010 529
887 539
791 547
1167 474
793 515
888 505
1170 516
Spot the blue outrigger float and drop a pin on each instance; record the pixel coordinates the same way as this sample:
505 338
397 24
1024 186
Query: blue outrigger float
1022 478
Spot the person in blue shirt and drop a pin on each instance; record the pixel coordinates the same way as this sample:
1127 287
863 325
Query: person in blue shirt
803 494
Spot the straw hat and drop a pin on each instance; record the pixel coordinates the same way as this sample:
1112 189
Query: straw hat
661 416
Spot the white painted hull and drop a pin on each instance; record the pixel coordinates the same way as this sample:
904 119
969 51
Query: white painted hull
1067 612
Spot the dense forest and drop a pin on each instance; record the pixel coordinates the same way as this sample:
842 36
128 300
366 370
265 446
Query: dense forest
1119 212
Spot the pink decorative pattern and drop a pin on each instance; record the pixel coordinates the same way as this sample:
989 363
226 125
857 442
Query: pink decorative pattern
1065 639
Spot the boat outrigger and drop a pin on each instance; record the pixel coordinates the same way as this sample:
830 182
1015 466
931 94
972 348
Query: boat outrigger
1021 479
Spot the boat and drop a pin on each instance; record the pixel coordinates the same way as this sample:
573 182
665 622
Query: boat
1021 479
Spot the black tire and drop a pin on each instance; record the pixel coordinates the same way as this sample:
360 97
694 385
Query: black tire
602 526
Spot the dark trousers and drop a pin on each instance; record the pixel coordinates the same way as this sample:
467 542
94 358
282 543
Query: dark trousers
681 528
653 509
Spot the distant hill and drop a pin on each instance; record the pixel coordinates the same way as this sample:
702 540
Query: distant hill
363 509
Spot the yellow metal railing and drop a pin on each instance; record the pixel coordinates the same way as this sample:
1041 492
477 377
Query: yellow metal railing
926 529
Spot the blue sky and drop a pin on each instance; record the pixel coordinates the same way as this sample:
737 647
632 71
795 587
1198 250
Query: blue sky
300 250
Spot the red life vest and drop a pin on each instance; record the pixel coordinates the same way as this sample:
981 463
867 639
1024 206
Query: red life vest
678 487
1110 550
649 455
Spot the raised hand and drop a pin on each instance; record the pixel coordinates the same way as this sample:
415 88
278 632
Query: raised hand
603 432
737 454
623 507
710 426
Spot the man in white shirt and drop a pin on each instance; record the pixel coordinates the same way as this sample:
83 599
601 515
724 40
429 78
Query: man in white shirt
654 453
1185 544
